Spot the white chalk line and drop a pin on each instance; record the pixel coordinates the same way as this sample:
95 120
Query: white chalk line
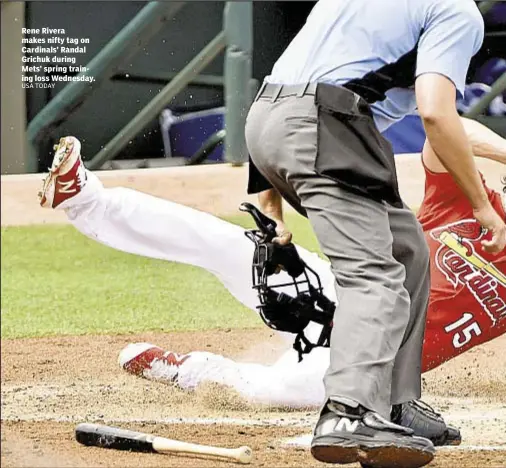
295 421
473 448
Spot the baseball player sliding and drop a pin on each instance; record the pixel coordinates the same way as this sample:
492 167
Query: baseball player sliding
468 291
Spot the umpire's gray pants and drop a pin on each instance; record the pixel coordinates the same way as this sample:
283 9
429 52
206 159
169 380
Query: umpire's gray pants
378 254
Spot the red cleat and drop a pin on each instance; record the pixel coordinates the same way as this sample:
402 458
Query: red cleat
66 176
151 362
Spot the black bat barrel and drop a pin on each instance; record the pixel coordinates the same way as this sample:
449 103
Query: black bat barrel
113 437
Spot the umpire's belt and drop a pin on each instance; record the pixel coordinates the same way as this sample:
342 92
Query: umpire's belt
350 149
274 91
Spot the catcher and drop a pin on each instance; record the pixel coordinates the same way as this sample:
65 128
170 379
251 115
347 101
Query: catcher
468 294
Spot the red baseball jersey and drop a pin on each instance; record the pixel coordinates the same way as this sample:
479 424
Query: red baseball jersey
467 303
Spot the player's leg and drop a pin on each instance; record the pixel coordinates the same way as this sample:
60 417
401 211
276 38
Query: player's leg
141 224
286 383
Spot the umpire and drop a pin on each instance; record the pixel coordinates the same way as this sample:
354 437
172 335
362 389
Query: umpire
313 134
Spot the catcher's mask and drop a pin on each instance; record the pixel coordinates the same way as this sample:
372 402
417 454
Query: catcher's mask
287 306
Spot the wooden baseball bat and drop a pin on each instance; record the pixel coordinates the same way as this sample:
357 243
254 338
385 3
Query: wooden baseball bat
98 435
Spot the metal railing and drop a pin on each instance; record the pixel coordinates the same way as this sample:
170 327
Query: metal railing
497 88
236 37
500 84
486 6
156 105
238 22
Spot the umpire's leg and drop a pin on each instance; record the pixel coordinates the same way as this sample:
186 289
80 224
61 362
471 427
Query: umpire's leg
373 310
354 232
411 249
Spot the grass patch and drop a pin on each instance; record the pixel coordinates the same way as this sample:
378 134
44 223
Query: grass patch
55 281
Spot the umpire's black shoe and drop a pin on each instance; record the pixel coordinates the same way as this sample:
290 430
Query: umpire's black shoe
348 435
425 422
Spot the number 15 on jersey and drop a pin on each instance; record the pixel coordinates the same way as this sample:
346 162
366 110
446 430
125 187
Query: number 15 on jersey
465 328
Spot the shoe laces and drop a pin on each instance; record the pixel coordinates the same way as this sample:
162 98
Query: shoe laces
426 410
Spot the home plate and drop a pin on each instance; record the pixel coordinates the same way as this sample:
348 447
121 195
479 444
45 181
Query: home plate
304 441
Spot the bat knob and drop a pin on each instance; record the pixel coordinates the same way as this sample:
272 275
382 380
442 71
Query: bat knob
244 455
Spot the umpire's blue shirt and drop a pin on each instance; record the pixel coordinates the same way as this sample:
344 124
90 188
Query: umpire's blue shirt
345 39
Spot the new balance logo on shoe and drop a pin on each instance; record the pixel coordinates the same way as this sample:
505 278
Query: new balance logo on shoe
346 425
342 425
66 187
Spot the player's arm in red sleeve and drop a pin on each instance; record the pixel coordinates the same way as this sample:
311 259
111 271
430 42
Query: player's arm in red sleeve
484 144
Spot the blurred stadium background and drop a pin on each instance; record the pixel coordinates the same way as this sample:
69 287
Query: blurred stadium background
175 79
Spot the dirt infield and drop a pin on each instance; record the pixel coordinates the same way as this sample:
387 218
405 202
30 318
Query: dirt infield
50 384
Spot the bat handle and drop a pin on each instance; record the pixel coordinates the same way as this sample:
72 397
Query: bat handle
241 454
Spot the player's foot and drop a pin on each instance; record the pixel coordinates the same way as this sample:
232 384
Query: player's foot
349 435
151 362
66 175
425 422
